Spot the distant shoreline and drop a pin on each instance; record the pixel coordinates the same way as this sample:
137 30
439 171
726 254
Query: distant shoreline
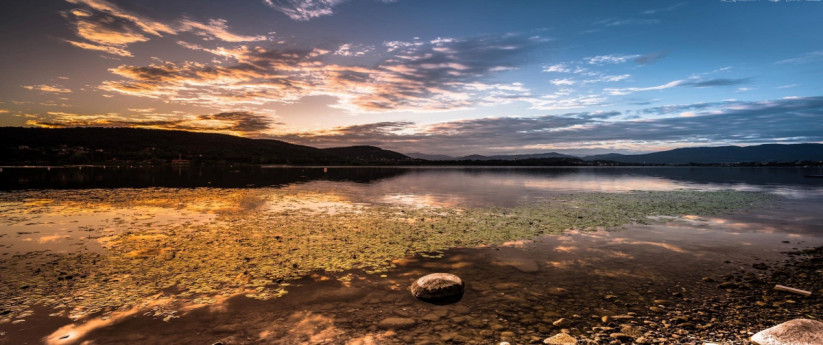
457 164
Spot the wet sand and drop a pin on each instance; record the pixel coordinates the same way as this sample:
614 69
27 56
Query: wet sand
585 283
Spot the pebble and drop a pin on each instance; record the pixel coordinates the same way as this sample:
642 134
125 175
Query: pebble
561 322
396 323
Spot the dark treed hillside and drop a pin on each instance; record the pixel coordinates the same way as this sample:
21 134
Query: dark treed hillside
98 145
723 154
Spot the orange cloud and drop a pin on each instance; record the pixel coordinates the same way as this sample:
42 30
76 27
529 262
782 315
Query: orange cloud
111 29
236 123
47 88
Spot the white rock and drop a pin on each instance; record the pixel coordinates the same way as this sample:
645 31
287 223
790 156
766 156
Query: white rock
438 286
794 332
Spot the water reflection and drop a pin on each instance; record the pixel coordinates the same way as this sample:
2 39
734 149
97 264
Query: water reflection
514 293
251 234
480 185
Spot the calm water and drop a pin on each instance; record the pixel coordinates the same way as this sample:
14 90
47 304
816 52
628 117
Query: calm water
478 185
515 292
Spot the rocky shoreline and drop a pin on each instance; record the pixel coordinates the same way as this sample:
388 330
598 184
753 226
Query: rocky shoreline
725 310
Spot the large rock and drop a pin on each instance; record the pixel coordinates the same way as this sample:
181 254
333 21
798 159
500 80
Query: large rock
560 339
438 287
794 332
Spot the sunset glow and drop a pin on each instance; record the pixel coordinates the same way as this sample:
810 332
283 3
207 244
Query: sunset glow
447 77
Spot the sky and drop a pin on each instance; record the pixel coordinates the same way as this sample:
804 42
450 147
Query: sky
447 77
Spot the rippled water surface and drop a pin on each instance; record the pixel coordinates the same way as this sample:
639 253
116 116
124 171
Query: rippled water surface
322 255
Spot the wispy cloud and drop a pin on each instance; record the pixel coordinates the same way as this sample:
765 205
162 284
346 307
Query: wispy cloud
627 21
663 9
304 10
650 57
441 74
809 57
609 59
691 82
47 88
216 29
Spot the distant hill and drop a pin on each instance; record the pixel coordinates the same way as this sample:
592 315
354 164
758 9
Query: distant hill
42 146
519 157
489 158
367 153
723 154
99 145
429 157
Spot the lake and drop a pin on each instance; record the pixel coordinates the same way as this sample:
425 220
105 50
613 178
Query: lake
324 255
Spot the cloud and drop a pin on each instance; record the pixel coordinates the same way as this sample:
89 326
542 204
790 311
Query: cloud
441 74
650 57
565 68
610 59
349 49
716 82
664 9
216 29
803 59
593 76
144 24
607 78
562 100
103 48
692 82
303 10
111 29
627 21
47 88
785 120
238 123
561 82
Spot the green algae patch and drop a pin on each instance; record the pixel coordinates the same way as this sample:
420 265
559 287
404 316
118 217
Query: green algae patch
256 244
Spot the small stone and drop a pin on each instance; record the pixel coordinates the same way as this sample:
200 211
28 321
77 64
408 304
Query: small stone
431 317
728 285
620 336
438 287
561 322
797 331
396 323
760 266
560 339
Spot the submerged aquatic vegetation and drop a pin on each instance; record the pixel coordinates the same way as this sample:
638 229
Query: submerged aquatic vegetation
264 238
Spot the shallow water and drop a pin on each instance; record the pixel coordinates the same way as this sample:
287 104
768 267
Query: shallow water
520 287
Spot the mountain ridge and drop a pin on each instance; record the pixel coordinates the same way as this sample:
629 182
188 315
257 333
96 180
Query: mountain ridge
86 145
